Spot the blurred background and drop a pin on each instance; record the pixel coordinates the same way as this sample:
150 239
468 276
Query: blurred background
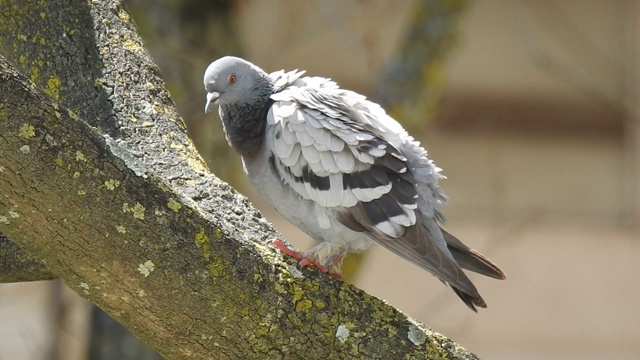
530 107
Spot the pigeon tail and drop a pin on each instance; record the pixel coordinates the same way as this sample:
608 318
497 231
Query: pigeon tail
470 259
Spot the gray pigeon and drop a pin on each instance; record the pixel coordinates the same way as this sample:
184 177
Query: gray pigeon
339 168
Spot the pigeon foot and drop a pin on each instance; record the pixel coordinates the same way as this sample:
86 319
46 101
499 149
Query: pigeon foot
304 261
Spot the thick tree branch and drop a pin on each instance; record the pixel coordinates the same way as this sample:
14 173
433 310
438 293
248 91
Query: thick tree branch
135 223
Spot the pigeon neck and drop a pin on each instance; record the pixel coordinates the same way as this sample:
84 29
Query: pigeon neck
245 124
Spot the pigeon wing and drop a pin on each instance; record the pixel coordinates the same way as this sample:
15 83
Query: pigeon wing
325 145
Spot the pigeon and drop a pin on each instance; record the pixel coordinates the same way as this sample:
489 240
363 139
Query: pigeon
339 168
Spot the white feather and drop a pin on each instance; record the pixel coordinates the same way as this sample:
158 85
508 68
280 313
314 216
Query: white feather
271 119
369 194
326 124
335 144
284 109
314 113
288 136
318 169
323 218
298 117
282 149
296 169
390 228
310 154
328 162
335 190
304 138
377 151
322 147
348 198
293 157
316 133
361 156
345 160
360 136
347 136
312 120
404 220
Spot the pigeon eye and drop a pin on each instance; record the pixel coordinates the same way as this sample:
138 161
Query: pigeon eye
231 79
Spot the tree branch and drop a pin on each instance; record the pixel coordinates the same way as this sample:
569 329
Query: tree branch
136 224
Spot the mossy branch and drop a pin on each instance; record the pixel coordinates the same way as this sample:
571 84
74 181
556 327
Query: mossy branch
100 183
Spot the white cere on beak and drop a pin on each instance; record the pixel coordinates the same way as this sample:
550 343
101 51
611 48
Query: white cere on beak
212 99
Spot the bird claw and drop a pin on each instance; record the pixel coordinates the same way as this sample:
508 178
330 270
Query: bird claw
304 261
312 262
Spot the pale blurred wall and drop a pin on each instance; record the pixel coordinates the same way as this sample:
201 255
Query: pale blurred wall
543 49
535 133
546 83
349 41
557 68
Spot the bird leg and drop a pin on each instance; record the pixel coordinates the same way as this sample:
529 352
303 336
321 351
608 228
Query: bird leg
334 261
286 250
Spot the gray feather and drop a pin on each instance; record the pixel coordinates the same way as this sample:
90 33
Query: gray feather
470 259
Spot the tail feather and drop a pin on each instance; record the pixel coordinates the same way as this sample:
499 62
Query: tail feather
470 300
470 259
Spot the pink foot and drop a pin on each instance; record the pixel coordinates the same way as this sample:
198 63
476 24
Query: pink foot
311 262
285 250
337 261
303 261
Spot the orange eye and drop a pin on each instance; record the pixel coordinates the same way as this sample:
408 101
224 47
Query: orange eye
231 79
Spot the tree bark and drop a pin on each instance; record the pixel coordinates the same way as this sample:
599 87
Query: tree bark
101 184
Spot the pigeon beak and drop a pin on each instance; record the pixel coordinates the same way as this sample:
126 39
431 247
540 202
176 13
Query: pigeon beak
212 99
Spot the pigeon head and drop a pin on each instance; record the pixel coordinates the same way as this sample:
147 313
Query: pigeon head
231 80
